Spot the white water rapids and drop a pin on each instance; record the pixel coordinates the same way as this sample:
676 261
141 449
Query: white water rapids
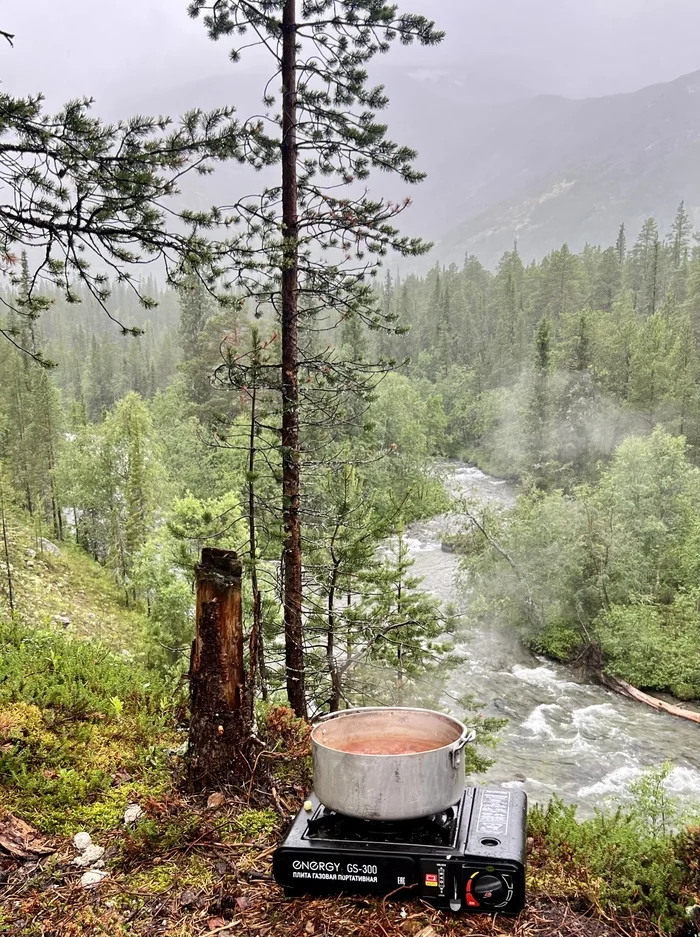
564 736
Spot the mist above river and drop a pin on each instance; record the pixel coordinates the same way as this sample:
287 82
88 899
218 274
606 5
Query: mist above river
565 736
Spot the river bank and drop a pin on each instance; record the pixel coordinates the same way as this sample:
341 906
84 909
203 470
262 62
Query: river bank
565 736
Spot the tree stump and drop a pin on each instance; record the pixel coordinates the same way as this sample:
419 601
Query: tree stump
219 733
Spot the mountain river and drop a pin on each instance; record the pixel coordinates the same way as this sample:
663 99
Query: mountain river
564 735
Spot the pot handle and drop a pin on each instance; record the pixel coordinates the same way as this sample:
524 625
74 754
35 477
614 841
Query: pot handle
469 735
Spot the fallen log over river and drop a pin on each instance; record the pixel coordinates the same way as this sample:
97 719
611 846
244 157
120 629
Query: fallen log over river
626 689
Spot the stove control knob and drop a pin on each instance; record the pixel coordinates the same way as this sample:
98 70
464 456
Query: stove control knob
490 890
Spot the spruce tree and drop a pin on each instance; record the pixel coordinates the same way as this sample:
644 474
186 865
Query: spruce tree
509 328
538 463
561 284
681 233
621 245
644 267
45 439
197 307
608 280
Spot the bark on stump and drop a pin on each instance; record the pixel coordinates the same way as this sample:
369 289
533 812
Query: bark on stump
219 733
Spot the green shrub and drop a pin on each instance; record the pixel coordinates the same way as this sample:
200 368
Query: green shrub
77 725
78 678
559 640
654 647
628 860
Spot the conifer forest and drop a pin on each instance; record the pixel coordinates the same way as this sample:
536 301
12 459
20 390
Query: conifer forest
411 475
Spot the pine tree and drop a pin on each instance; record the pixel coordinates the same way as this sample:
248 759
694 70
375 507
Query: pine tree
401 658
82 191
327 129
342 557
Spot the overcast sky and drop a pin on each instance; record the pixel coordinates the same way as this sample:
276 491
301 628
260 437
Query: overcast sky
117 49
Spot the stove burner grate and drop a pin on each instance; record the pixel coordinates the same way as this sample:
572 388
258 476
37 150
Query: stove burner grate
439 830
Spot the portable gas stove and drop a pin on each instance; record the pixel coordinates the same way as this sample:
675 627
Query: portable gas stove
468 858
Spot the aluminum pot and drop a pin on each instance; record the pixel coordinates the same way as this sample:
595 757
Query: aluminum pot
389 764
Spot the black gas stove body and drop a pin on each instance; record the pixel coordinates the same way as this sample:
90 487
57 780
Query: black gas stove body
468 858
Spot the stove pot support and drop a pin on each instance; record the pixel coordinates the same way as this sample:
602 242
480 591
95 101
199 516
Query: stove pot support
393 786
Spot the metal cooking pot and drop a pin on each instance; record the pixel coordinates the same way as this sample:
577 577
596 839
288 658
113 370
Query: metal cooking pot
389 764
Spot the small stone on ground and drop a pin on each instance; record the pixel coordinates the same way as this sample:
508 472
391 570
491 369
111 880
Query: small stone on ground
82 840
93 877
90 856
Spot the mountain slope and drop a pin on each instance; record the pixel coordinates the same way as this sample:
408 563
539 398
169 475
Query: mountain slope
62 586
550 170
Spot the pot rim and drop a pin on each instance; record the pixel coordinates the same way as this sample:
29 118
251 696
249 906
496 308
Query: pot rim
465 737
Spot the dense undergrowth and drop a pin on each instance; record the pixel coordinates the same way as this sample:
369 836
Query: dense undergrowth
641 858
82 731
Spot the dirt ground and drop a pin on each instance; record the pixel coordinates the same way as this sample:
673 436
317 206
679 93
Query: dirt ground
236 897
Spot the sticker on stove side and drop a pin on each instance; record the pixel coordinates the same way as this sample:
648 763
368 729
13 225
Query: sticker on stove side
493 815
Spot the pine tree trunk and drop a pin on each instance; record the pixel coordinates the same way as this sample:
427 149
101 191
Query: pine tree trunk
294 648
219 730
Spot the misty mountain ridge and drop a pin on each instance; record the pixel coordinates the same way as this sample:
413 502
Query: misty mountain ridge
504 164
552 170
